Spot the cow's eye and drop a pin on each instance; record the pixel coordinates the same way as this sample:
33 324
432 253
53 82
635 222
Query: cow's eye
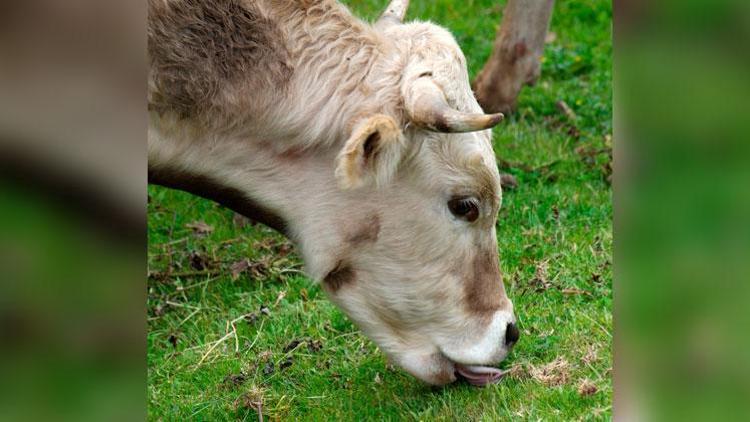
465 207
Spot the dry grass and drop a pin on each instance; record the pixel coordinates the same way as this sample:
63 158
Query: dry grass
552 374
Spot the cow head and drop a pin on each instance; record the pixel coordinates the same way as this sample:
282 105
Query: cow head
418 270
402 233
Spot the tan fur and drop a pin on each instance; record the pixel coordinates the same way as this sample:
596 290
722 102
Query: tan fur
386 248
481 286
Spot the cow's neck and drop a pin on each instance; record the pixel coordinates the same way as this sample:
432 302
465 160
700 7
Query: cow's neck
292 191
342 71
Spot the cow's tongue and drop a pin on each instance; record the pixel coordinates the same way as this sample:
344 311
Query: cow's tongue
480 375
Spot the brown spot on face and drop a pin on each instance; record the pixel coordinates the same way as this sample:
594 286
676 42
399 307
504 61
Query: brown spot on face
367 233
207 188
484 288
339 276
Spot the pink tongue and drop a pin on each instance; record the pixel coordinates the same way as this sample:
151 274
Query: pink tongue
480 375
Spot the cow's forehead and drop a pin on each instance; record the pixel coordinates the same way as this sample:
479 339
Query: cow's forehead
479 163
466 162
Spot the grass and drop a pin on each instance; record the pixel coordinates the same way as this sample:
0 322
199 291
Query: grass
218 345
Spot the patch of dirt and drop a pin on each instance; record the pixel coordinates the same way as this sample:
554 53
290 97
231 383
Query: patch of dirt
551 374
587 388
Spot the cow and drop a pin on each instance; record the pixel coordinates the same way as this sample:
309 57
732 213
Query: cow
363 144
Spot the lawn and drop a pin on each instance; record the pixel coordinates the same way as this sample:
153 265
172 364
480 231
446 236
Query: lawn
234 325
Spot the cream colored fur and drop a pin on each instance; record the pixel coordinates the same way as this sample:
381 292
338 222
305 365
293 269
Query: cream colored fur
349 82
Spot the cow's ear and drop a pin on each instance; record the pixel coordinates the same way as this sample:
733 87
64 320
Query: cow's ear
372 153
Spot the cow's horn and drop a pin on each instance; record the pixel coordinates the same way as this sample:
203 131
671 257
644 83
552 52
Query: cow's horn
426 105
395 12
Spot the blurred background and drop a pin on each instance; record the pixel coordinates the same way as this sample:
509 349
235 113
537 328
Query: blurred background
73 199
682 202
72 210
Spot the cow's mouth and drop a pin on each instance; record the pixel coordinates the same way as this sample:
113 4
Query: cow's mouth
480 375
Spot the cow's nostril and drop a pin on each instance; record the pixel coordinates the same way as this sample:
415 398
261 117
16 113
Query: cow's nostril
511 334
